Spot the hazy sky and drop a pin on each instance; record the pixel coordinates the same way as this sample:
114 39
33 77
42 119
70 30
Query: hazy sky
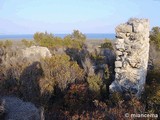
62 16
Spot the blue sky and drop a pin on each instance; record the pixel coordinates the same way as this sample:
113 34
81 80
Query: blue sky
62 16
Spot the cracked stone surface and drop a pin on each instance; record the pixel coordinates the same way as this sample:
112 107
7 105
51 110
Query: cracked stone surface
132 52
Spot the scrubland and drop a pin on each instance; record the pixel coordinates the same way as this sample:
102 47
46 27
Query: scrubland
73 84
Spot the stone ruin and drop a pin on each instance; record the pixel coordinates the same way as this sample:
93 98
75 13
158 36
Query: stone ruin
132 52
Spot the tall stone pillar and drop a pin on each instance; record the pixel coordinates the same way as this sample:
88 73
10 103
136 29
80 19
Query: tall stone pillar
132 52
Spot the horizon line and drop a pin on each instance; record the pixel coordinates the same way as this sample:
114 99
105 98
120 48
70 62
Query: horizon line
48 32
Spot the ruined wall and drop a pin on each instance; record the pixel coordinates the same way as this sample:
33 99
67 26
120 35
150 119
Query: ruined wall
132 52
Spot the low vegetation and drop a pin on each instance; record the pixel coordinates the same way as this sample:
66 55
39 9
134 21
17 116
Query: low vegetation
74 84
155 37
107 44
75 40
6 43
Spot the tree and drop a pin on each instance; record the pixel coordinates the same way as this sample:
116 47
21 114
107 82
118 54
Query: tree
77 35
44 39
76 39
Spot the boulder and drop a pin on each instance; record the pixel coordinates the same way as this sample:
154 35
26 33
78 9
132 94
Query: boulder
16 109
36 52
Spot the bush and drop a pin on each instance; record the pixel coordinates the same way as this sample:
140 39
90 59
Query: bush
61 71
107 44
1 43
76 40
152 89
95 83
77 36
27 43
76 96
44 39
97 87
10 76
8 43
155 36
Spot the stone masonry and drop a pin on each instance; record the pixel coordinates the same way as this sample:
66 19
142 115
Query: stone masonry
132 52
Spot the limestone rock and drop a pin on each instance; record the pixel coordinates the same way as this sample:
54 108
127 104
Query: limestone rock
120 40
120 46
118 58
118 64
119 53
124 28
117 70
16 109
120 35
132 52
36 51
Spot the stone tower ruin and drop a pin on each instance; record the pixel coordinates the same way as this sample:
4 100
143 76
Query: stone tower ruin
132 52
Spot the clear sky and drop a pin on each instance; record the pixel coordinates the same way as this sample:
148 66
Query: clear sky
62 16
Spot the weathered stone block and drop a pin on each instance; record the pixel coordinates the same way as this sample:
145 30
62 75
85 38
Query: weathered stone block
118 64
119 53
118 58
124 28
121 35
120 46
138 28
117 70
120 40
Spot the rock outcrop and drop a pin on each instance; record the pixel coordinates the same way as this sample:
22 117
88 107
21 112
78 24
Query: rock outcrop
36 52
32 54
132 52
16 109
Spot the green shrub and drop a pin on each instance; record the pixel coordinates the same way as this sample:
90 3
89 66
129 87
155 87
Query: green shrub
77 36
61 71
155 36
152 89
27 43
44 39
10 76
107 44
96 86
99 59
1 43
76 40
8 43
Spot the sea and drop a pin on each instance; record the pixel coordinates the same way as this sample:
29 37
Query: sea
30 36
